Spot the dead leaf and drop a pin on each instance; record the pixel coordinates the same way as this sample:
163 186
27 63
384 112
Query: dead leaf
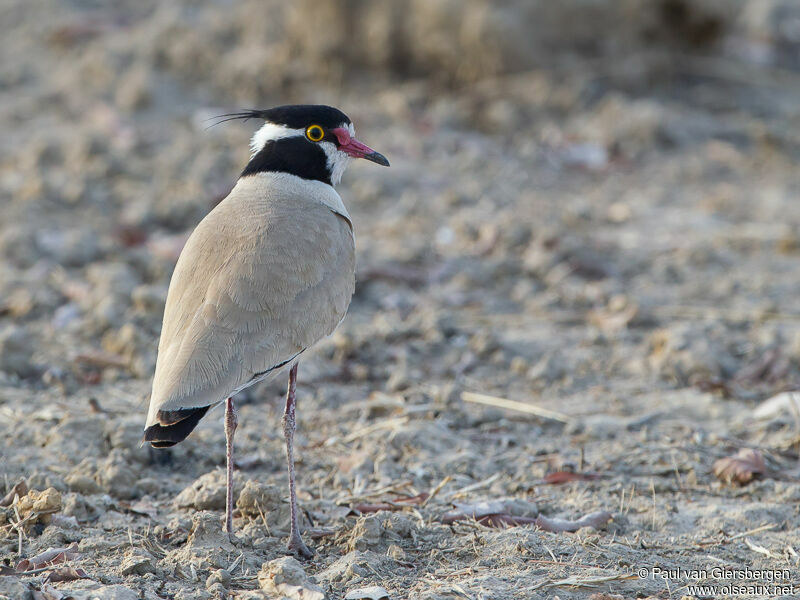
6 570
20 489
594 520
740 468
557 477
65 574
142 507
51 556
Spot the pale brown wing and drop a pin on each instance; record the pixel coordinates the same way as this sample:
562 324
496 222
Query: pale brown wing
264 276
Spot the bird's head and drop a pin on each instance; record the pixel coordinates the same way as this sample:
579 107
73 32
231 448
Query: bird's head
308 140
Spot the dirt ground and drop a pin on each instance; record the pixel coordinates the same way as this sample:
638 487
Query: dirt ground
608 237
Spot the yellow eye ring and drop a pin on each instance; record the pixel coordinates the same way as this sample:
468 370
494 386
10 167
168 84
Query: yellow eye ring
315 133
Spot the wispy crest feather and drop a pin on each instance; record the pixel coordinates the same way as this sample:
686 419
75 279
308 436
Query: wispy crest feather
244 115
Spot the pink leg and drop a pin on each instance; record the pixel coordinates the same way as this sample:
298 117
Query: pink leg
296 544
230 427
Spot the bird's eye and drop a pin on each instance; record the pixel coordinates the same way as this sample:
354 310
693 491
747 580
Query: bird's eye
314 133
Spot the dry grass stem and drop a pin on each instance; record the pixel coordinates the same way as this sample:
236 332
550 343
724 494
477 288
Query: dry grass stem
523 407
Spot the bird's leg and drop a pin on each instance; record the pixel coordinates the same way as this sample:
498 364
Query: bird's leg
296 544
230 427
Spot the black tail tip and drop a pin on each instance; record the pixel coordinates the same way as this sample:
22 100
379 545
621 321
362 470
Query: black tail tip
181 423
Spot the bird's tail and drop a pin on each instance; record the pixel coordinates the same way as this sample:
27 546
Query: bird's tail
173 426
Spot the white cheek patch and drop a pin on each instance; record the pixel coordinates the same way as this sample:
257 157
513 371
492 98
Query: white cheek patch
337 161
270 132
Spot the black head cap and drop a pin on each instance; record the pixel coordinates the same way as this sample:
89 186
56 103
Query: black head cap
295 116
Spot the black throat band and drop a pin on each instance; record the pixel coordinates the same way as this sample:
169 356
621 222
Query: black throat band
294 155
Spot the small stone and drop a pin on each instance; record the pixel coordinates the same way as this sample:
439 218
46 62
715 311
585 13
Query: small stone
12 588
368 593
519 365
265 499
367 533
221 577
133 92
72 248
258 498
207 532
217 591
43 504
19 302
118 476
396 552
137 562
206 493
82 483
148 298
112 592
286 577
16 351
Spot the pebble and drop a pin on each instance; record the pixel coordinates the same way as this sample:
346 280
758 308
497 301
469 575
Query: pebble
257 499
368 593
285 577
137 562
111 592
43 504
12 588
71 248
16 351
207 492
373 531
117 476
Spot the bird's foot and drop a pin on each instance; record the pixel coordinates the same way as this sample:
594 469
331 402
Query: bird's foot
296 546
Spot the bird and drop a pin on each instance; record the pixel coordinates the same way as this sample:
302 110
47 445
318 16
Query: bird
264 276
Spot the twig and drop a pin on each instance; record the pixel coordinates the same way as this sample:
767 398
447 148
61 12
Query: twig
263 520
523 407
387 424
584 582
395 487
759 549
238 559
20 533
436 490
475 486
756 530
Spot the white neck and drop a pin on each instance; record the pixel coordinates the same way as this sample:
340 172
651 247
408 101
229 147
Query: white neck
271 184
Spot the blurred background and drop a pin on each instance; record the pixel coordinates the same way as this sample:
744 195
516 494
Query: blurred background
592 206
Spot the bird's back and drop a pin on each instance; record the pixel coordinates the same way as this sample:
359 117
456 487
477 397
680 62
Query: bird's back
268 272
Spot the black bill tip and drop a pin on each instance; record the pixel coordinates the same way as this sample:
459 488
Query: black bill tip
377 158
